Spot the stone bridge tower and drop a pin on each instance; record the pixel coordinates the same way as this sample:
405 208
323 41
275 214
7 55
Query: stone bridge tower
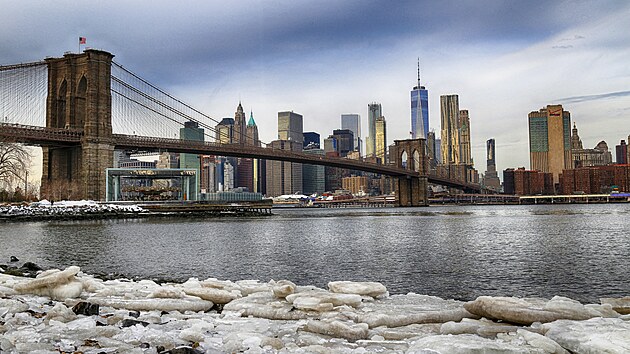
411 154
79 97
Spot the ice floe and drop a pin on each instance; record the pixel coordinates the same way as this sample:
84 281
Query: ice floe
69 311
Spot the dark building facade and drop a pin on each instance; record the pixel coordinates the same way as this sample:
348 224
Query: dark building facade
527 182
621 153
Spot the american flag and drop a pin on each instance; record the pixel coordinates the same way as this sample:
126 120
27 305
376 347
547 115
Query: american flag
82 40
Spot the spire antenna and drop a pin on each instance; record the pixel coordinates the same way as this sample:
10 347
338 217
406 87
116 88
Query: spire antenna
418 71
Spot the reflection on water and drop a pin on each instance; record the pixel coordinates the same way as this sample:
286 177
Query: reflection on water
578 251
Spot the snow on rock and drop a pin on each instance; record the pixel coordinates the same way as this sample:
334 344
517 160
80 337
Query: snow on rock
265 305
469 343
338 329
283 288
596 335
56 284
281 317
529 310
403 310
620 305
217 296
372 289
148 304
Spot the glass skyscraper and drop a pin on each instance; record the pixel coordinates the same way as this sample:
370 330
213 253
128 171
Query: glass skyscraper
353 122
419 110
374 111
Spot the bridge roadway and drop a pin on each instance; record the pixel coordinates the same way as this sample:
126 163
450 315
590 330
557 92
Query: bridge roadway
35 135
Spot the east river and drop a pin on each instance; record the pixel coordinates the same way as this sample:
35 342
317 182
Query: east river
460 252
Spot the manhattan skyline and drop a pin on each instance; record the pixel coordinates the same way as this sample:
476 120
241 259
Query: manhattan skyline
325 59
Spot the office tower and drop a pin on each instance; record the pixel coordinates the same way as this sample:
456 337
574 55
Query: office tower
252 131
290 127
431 151
550 140
224 131
621 153
190 131
240 127
168 160
313 176
284 177
381 140
491 177
465 156
353 123
374 111
311 139
345 141
419 110
330 145
449 110
438 151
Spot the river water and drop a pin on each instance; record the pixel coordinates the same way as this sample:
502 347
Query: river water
461 252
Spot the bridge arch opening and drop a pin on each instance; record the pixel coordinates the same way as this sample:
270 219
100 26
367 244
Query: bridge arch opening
80 107
60 119
403 159
416 161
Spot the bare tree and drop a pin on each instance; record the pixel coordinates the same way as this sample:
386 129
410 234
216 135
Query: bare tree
15 161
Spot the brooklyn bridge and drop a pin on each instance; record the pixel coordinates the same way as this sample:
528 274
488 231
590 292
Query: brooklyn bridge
81 107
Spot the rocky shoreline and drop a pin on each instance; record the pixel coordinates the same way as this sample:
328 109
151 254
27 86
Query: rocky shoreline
68 311
90 210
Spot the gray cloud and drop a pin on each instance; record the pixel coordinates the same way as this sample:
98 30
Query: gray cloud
578 99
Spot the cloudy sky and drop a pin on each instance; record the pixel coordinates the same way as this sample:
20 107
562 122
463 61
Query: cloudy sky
324 58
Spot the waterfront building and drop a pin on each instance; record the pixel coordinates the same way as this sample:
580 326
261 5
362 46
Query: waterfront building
284 177
419 110
550 140
190 131
465 155
374 111
168 160
224 131
313 176
595 180
449 112
599 156
527 182
290 127
491 177
312 140
381 140
207 178
621 153
345 141
353 123
357 185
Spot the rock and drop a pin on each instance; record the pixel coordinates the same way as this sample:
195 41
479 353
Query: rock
85 308
31 267
14 259
596 335
620 305
529 310
372 289
128 322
